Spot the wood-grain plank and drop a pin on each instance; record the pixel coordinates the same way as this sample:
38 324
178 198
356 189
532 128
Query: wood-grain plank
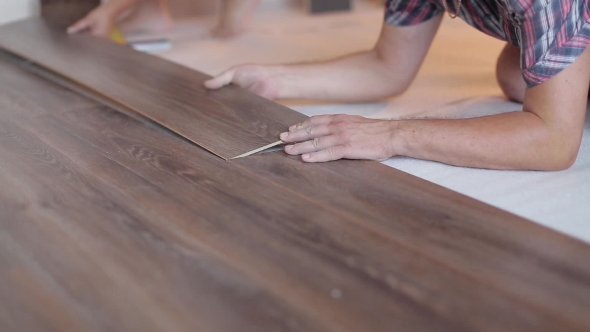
29 157
175 181
119 225
17 101
67 245
227 122
112 263
262 241
345 241
499 249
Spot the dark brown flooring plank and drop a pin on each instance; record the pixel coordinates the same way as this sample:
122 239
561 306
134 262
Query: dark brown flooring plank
18 101
542 267
344 241
258 230
28 156
122 263
265 241
227 122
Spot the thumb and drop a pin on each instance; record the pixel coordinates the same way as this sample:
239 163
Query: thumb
220 80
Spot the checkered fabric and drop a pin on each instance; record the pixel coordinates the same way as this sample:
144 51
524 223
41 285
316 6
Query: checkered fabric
551 34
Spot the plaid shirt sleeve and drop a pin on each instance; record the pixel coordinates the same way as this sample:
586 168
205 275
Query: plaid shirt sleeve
552 35
409 12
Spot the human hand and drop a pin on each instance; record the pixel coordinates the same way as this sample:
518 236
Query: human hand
262 80
99 22
332 137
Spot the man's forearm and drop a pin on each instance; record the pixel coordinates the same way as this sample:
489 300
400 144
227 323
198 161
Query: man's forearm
384 71
517 140
354 78
387 70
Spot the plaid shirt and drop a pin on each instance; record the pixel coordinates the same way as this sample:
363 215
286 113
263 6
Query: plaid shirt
551 34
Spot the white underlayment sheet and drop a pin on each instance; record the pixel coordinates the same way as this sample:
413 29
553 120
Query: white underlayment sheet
456 80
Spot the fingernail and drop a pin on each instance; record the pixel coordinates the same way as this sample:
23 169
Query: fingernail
284 135
292 127
289 147
306 156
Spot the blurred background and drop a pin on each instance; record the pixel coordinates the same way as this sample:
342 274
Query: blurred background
11 10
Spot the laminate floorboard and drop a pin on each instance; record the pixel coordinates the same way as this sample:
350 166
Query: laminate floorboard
344 239
17 101
98 259
445 226
108 223
227 122
286 269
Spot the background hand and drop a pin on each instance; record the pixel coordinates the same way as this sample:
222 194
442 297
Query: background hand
99 22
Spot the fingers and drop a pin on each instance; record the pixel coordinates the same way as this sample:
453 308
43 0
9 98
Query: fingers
331 137
314 120
314 145
98 25
319 144
314 127
306 133
81 25
220 80
329 154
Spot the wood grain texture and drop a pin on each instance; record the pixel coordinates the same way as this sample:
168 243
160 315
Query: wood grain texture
15 95
107 223
429 220
227 122
355 243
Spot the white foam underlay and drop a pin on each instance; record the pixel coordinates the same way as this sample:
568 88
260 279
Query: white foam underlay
456 80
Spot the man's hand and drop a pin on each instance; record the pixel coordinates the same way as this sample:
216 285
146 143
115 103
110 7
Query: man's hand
261 80
331 137
99 22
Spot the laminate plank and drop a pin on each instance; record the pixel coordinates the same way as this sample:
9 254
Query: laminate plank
66 181
499 249
111 263
375 295
17 101
62 229
228 122
242 227
344 241
117 225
